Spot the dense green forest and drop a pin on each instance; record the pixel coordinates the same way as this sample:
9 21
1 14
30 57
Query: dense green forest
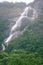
20 57
27 49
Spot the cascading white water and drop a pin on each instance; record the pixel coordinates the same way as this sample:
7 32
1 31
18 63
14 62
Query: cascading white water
15 30
3 47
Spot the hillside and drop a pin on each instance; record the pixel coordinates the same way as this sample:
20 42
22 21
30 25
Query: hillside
34 29
11 10
9 13
26 48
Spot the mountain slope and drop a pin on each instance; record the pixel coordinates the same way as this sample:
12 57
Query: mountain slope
27 49
33 34
9 13
31 40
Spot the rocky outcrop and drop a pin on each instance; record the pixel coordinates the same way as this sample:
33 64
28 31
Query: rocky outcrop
38 5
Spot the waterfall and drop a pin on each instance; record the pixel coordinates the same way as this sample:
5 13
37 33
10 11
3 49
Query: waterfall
29 14
3 47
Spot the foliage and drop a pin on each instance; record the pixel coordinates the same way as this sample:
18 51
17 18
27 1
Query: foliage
27 49
31 40
3 28
20 59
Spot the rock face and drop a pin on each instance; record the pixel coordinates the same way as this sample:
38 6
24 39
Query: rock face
38 5
36 0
